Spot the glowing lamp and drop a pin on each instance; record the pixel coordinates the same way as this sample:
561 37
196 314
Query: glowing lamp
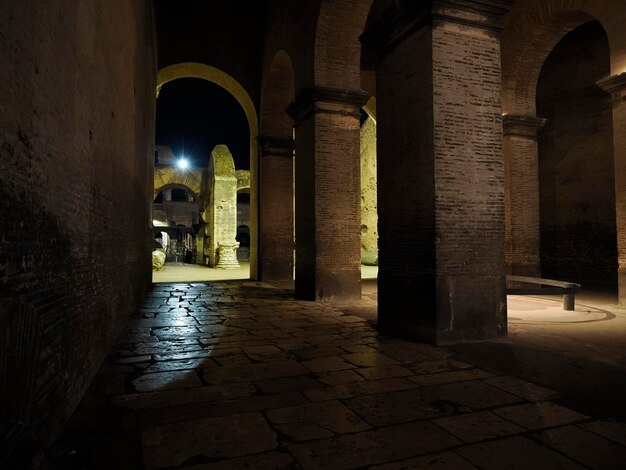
182 163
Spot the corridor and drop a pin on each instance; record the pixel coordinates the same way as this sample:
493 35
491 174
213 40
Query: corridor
237 374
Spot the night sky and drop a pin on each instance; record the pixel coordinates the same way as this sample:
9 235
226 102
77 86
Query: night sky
194 115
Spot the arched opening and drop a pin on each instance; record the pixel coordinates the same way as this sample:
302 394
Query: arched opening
369 188
576 168
230 85
243 224
177 226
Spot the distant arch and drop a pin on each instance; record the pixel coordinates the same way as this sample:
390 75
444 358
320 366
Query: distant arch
170 177
177 186
231 85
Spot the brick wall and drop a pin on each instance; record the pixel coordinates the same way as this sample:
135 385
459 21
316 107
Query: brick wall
76 145
522 203
327 170
577 195
440 176
276 194
469 183
276 226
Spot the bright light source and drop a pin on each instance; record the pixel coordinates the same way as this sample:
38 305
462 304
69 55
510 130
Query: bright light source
182 163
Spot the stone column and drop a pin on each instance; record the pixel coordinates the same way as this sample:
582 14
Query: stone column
440 173
616 87
276 209
328 219
222 209
521 199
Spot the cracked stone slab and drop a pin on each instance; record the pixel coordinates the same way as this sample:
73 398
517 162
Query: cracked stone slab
327 364
371 358
384 372
585 447
180 364
372 447
166 381
540 415
472 394
398 407
285 384
195 410
479 426
331 416
339 377
268 461
515 453
610 429
160 399
449 377
443 461
357 389
250 372
522 388
172 445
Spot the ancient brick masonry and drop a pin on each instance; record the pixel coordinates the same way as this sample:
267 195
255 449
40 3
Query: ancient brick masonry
439 148
522 194
276 200
328 248
616 86
576 183
76 143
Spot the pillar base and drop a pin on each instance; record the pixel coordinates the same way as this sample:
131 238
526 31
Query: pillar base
452 309
329 286
227 256
621 287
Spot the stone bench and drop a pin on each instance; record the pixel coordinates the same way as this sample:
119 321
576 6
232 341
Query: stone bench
566 289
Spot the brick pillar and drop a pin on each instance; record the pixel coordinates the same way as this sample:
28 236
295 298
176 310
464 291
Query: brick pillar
328 220
276 209
440 174
616 87
521 201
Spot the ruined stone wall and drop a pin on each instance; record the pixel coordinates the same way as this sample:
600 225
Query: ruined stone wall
222 204
76 149
369 213
576 183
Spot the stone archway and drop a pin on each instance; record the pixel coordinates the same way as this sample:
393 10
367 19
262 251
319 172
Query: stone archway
530 33
191 179
221 78
575 162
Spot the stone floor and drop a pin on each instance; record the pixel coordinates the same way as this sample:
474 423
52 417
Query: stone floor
238 375
179 272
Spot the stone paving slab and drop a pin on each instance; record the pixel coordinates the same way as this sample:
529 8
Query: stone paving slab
171 445
585 447
474 427
372 447
238 375
515 453
443 461
540 415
